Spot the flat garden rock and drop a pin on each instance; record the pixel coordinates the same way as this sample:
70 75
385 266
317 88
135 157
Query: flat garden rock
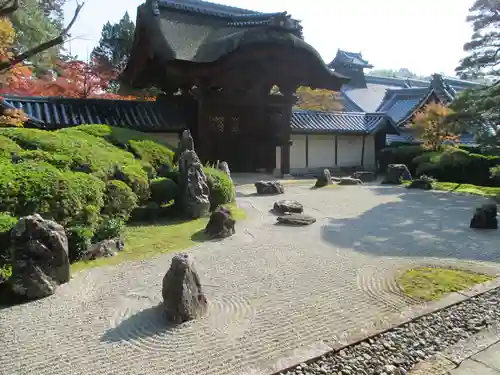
183 298
296 219
365 176
324 179
350 181
40 261
283 206
269 188
104 249
485 217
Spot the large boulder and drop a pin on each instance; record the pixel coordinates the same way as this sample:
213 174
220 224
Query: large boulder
40 260
396 174
193 185
296 219
183 298
350 181
324 179
365 176
283 206
485 217
221 223
269 187
185 143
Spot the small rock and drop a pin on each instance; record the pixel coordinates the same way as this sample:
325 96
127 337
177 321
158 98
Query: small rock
365 176
269 187
104 249
396 173
221 223
485 217
324 179
284 206
350 181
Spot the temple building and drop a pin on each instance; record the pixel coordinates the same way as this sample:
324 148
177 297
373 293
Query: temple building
399 98
218 67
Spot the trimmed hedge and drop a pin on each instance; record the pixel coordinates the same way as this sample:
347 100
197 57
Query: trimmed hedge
143 146
119 200
67 197
221 187
164 190
87 153
458 165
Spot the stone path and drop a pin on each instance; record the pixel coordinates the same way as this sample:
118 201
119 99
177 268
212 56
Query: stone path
277 294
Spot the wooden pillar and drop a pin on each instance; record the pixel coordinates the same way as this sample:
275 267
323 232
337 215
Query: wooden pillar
288 92
363 151
336 150
307 150
201 143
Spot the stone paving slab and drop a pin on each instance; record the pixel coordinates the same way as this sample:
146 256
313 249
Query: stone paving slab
276 293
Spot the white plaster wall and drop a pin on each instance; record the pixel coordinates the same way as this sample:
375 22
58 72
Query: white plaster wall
171 138
321 150
298 151
349 150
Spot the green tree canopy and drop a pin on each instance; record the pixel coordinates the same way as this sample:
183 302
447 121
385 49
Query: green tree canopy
484 47
115 44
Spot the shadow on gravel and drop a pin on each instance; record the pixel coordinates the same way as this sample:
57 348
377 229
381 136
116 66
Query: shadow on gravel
422 224
141 326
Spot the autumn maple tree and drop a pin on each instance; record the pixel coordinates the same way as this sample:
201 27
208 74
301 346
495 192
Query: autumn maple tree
318 100
432 126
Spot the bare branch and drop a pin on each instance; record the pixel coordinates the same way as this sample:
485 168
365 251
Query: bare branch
44 46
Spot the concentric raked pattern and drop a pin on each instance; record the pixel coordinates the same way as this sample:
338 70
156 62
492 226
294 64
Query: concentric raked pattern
271 289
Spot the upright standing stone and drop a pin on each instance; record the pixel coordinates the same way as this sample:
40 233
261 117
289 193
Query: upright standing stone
485 217
185 143
194 187
224 167
40 260
183 298
221 223
324 179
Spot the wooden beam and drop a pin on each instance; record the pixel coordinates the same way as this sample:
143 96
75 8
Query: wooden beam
336 150
363 150
307 151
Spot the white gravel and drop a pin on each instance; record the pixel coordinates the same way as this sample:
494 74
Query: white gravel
273 290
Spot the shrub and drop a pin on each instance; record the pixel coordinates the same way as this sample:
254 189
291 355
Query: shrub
143 146
401 155
8 147
163 190
458 165
88 154
221 187
119 200
57 160
110 227
7 222
67 197
79 240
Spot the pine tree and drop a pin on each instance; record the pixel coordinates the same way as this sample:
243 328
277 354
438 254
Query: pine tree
484 46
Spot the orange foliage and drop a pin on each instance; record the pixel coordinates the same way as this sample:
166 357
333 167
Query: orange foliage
319 100
432 127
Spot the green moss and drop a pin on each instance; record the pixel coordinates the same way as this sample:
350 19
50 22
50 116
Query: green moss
430 284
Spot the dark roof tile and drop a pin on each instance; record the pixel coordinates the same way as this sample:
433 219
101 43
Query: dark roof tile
53 113
340 122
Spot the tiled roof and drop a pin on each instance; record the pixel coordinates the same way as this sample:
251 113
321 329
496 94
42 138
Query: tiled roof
351 59
455 83
340 122
53 113
208 8
464 139
399 103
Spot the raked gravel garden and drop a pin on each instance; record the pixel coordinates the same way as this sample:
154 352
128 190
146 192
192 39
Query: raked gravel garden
277 295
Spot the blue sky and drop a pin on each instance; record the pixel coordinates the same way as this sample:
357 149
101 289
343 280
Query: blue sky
425 36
